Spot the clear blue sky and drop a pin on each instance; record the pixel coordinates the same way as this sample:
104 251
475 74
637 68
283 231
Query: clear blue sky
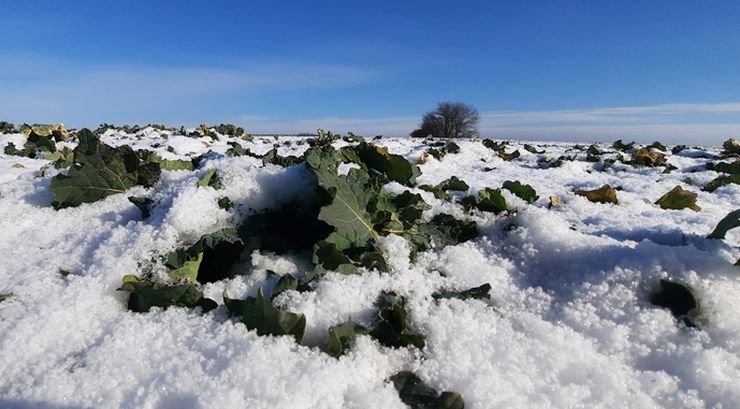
549 69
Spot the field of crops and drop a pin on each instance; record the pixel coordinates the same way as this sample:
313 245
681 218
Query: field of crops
203 268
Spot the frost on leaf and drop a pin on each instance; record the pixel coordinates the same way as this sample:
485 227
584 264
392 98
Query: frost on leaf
604 194
727 223
417 395
678 199
258 313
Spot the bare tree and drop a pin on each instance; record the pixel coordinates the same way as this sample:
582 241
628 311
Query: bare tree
449 120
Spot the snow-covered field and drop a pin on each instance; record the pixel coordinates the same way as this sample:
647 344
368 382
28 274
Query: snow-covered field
569 323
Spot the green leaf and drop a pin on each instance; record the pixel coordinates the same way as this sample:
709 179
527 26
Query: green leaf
621 146
720 181
259 314
677 149
532 149
149 168
678 199
727 223
395 167
390 329
495 146
725 167
145 294
11 149
350 195
678 298
604 194
143 203
453 183
440 190
177 164
414 393
478 293
100 171
5 296
285 283
210 179
209 259
37 142
272 157
491 200
225 203
341 337
524 192
443 230
184 266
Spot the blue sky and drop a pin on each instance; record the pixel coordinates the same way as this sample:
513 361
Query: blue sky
576 70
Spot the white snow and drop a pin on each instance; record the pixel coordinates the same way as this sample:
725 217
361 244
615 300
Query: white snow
569 324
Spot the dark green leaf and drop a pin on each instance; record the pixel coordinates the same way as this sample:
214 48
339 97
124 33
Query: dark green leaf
260 315
417 395
479 293
532 149
727 223
725 167
678 298
145 294
491 200
678 148
285 283
621 146
720 181
395 167
143 203
225 203
209 259
341 337
100 171
390 329
524 192
495 146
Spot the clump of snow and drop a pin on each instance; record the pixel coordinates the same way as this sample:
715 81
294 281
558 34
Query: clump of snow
569 323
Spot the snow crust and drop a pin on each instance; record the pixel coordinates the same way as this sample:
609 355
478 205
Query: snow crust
569 323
